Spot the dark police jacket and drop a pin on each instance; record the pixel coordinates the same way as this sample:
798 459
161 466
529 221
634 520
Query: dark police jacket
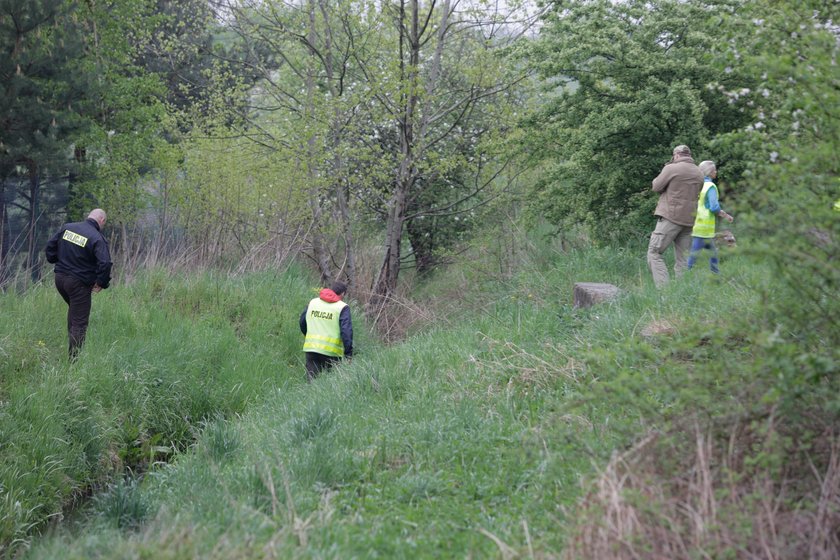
80 250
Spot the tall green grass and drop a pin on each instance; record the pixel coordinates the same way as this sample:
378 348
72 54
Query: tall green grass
469 439
163 357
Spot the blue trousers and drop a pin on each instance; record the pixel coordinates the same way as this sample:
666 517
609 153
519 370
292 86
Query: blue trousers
697 245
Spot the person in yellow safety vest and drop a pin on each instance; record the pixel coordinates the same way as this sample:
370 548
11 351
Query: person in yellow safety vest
708 208
328 330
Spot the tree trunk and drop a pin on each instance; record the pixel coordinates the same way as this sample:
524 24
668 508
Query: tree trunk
421 237
348 266
32 228
319 249
413 127
386 281
74 198
4 239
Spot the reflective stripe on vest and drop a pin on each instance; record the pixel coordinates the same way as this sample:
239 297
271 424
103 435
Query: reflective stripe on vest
704 223
323 332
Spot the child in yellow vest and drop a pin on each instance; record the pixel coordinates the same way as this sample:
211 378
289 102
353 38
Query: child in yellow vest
708 208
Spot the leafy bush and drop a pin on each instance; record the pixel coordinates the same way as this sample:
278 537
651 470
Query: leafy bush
625 82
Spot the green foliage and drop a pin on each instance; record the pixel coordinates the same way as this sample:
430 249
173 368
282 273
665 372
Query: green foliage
41 45
220 439
43 106
475 434
121 505
471 438
626 82
124 104
792 178
460 429
229 196
312 424
166 359
467 167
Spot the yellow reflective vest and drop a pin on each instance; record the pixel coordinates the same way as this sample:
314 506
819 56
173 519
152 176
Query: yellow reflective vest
323 332
704 223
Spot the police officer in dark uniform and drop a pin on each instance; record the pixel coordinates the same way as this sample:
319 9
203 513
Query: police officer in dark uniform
82 267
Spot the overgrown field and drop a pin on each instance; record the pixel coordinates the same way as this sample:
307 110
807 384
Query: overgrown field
514 426
164 356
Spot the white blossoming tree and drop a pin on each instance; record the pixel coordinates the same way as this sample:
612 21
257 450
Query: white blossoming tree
625 83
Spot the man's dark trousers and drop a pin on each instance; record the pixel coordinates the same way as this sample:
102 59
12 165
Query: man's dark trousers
78 296
316 362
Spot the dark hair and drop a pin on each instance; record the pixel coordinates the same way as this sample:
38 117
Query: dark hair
340 288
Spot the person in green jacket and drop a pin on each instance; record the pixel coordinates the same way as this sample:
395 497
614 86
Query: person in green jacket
708 209
328 330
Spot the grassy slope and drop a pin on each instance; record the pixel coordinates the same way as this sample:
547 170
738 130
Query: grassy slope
162 355
470 439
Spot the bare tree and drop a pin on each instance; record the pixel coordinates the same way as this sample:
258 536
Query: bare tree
303 54
433 104
336 73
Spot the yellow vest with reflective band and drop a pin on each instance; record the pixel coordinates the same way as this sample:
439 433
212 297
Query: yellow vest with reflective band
323 332
704 223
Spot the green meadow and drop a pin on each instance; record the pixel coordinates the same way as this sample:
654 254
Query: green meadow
461 165
186 428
